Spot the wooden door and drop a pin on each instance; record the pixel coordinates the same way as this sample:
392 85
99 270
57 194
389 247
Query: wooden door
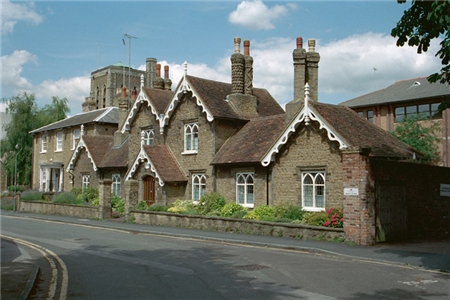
149 190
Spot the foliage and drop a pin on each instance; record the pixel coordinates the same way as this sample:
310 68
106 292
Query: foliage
422 22
335 218
157 207
182 206
289 211
31 195
142 205
315 218
67 198
263 212
95 202
231 209
76 191
117 204
89 194
423 139
210 202
25 117
13 188
239 214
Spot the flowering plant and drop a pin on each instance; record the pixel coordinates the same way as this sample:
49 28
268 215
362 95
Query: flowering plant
336 218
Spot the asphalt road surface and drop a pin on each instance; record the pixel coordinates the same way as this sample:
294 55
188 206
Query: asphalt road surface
101 263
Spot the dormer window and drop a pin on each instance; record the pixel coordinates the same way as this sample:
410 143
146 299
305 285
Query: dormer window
191 138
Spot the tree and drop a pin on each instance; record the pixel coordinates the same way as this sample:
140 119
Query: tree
422 22
25 117
424 139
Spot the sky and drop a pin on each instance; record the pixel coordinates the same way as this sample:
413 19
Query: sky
50 48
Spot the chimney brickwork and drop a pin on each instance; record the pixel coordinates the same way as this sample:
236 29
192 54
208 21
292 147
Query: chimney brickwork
158 82
241 96
150 66
167 81
123 104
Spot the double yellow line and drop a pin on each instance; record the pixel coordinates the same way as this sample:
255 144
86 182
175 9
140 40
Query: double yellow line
51 258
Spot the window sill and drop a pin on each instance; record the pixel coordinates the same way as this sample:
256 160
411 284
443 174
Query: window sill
58 150
189 152
247 205
314 209
42 152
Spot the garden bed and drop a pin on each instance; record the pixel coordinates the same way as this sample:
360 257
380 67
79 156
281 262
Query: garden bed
223 224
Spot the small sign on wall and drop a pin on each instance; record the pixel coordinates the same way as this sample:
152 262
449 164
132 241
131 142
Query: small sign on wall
351 191
445 190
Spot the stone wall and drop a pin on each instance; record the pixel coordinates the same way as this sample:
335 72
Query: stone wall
237 225
70 210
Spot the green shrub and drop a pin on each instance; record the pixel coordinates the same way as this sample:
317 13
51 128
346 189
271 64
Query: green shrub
13 188
210 202
31 195
117 204
289 211
76 191
181 206
89 194
315 218
282 220
190 211
239 214
95 202
230 209
157 207
142 205
67 198
263 212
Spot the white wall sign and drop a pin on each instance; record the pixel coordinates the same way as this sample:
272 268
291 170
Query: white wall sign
351 191
445 190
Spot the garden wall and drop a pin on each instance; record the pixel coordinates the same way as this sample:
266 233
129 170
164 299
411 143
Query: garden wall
237 225
70 210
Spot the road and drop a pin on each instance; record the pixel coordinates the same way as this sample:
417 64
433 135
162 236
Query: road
110 263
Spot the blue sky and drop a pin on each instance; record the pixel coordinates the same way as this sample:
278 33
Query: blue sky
50 48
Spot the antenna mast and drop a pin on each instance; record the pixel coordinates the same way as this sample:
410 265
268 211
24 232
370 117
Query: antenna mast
129 60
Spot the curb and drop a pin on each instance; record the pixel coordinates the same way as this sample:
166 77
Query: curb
30 283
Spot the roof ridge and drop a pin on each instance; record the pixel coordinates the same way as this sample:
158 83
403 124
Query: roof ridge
104 113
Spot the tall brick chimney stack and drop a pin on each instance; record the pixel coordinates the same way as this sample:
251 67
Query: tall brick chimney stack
167 81
312 70
123 102
241 97
306 70
150 69
158 82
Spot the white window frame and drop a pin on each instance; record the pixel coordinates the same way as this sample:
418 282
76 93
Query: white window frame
44 143
245 189
76 134
198 183
316 188
148 137
59 141
85 181
115 185
191 138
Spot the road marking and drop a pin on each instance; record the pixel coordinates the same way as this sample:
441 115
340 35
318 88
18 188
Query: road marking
48 254
418 283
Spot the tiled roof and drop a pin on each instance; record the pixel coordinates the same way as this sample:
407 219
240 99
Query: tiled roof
249 144
116 157
98 146
165 163
159 98
404 90
358 132
214 94
104 115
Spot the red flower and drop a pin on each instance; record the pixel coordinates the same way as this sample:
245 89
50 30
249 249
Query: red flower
326 224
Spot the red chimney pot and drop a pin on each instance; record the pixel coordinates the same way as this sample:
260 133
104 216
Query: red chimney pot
246 47
299 42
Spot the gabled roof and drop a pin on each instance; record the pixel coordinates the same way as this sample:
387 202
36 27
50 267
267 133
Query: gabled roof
156 99
211 96
160 161
251 142
404 90
104 115
101 152
344 126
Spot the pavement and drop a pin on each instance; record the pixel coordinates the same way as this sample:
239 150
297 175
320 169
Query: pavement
17 278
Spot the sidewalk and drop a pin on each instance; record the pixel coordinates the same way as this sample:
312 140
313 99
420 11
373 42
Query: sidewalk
430 255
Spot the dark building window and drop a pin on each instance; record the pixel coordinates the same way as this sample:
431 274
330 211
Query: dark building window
423 111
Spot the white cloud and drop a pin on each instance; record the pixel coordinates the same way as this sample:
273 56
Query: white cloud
75 89
256 15
12 13
12 67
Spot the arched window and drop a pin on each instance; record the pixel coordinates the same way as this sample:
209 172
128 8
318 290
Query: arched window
313 190
245 189
148 137
191 137
198 186
115 186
